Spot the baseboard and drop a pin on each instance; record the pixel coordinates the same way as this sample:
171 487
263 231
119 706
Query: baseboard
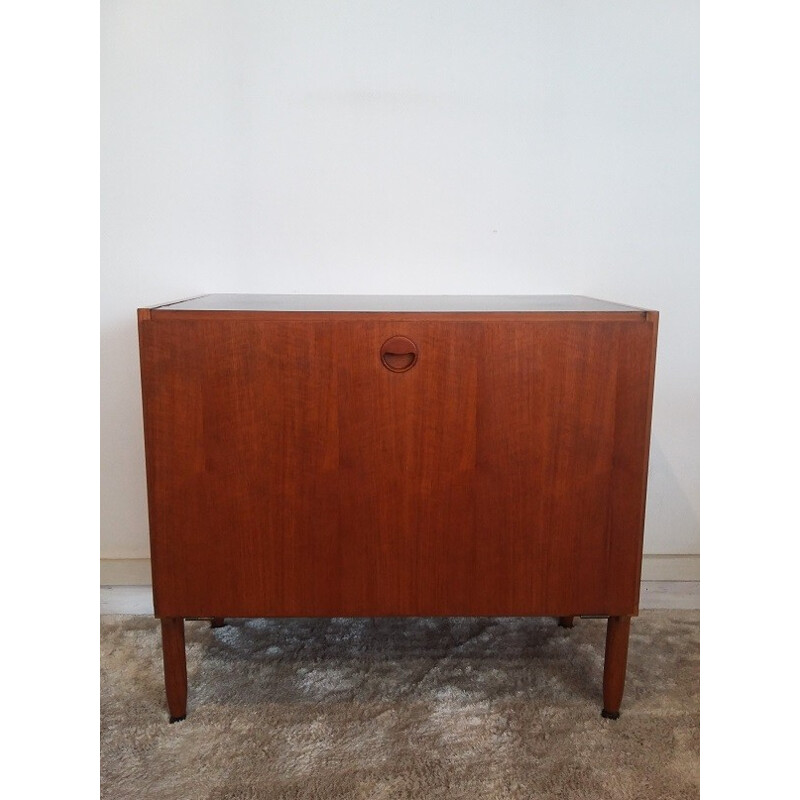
670 568
125 572
136 571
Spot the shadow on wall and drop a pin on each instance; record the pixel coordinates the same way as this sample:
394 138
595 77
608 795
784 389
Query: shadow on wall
123 497
671 516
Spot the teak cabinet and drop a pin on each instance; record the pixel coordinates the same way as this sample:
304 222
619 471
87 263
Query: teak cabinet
419 456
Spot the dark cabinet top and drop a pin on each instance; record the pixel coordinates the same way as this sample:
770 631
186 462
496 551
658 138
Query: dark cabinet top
395 303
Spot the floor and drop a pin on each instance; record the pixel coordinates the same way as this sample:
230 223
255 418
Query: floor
655 594
451 708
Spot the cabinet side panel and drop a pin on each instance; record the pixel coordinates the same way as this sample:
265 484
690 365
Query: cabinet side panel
635 380
147 360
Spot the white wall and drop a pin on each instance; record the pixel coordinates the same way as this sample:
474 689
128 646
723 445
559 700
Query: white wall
484 147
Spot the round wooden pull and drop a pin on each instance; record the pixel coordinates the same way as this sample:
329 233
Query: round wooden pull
398 354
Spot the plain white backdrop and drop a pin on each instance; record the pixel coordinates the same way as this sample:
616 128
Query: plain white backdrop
414 147
750 251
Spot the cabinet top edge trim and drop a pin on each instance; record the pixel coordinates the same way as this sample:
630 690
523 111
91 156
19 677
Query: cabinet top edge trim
398 304
519 317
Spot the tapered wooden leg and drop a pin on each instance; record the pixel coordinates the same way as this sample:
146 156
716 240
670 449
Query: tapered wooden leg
174 646
619 629
217 622
566 622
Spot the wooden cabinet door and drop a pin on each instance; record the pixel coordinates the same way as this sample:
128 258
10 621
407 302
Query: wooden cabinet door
290 472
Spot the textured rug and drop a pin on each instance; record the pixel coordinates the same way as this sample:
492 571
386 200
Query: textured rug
401 708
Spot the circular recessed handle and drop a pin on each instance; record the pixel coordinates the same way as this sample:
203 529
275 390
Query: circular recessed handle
398 354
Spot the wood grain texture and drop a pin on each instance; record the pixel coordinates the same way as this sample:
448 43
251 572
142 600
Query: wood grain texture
291 474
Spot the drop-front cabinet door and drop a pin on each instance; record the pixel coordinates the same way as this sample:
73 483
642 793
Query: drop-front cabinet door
292 472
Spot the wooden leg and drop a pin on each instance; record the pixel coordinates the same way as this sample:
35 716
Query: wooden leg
174 646
217 622
616 663
566 622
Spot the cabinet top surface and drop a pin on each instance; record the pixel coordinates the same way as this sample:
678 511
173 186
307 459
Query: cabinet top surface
395 303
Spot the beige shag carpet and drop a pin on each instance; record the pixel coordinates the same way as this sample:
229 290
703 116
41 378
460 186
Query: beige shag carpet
401 708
